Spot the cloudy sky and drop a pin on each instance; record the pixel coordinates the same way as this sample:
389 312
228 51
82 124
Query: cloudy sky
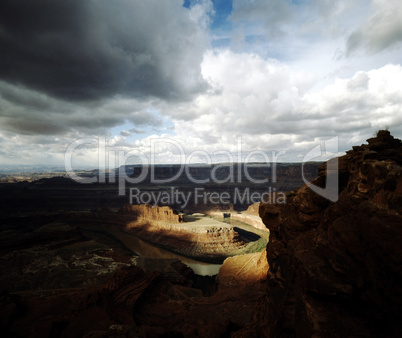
209 79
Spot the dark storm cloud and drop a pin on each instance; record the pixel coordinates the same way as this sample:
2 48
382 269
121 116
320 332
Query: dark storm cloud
25 111
381 31
29 127
85 50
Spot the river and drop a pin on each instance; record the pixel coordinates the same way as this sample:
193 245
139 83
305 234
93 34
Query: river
147 250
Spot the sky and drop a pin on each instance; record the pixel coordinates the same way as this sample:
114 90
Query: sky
112 82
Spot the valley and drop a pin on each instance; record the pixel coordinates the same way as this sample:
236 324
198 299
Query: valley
78 260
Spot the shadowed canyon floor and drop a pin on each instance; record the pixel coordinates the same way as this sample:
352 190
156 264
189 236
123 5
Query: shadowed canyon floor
87 284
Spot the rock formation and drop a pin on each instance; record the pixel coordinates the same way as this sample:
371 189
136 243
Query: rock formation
202 238
158 215
335 268
132 303
243 270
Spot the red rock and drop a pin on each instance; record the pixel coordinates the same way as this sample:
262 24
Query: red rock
145 213
335 268
243 270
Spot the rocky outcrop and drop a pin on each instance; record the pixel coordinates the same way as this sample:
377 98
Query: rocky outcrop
243 270
147 213
335 267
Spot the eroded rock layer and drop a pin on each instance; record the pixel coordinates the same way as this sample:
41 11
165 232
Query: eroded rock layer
335 267
202 237
243 270
157 215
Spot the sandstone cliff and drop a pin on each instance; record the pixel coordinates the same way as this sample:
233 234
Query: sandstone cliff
200 237
146 213
243 270
335 268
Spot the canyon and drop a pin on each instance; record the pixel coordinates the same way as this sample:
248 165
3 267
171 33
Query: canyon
327 268
191 235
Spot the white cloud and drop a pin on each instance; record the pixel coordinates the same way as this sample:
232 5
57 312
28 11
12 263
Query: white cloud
270 107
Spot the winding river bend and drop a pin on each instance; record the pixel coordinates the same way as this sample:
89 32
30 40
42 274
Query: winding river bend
146 250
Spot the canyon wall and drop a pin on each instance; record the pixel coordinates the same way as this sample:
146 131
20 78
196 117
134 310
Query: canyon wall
201 237
147 213
335 267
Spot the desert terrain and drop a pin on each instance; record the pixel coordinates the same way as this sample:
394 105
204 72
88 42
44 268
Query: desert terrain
78 260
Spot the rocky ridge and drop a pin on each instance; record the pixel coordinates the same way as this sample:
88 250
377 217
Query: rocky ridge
335 267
